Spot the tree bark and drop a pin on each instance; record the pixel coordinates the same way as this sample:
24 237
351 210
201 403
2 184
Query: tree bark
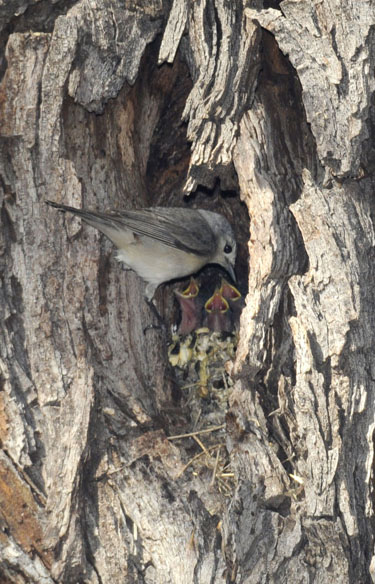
260 110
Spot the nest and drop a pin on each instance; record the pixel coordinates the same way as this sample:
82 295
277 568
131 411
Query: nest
199 360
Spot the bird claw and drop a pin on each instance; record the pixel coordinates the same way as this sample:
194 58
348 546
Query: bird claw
159 318
154 327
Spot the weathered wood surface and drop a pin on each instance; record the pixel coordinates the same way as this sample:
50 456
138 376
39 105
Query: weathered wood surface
111 104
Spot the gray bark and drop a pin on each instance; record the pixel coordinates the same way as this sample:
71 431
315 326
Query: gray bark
109 104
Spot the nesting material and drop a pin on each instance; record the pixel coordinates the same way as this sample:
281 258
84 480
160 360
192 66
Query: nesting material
199 360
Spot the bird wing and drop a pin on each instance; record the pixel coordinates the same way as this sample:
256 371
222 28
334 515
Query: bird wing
183 229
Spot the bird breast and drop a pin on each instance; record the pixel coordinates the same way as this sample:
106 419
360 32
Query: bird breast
157 263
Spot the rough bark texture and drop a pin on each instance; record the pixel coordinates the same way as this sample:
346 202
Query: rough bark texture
113 104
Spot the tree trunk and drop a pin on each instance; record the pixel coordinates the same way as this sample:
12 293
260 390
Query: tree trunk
264 111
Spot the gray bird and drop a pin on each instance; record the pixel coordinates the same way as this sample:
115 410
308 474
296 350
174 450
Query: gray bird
161 244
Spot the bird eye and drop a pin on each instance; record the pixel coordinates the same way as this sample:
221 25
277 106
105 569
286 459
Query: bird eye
227 248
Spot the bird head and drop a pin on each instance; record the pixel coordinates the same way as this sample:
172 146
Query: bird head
226 245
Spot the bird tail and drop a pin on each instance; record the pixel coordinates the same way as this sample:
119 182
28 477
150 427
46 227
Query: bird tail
81 212
98 220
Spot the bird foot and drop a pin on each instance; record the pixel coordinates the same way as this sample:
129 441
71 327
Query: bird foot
161 324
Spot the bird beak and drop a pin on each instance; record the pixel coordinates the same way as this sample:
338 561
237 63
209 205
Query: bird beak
229 292
217 316
229 268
